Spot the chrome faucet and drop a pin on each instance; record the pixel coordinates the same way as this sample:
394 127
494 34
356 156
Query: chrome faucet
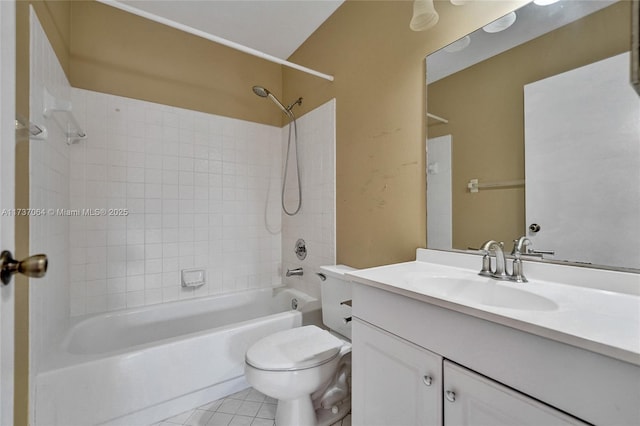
294 272
521 247
518 246
500 272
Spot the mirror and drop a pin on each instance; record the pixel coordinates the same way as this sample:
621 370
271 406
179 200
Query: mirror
532 131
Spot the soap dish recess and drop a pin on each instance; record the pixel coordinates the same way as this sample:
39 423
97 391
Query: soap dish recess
193 277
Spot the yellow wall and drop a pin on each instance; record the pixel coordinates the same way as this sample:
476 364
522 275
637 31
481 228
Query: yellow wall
488 133
378 64
55 17
115 52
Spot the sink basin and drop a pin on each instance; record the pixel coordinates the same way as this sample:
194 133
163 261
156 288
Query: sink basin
591 309
481 290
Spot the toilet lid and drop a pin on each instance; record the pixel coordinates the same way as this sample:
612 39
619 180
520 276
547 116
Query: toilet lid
294 349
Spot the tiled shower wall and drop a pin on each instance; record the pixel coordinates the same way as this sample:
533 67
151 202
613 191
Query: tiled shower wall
315 223
188 190
180 190
48 189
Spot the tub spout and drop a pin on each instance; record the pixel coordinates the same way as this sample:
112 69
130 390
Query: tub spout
293 272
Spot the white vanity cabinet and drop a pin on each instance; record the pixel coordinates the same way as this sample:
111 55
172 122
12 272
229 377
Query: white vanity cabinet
398 383
394 381
472 399
498 375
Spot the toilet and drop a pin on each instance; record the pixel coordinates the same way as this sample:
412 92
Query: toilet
308 369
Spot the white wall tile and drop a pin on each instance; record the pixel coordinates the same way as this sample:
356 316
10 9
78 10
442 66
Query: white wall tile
315 223
172 169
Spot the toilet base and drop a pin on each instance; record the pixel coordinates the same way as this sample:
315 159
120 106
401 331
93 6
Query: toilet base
326 417
299 412
296 412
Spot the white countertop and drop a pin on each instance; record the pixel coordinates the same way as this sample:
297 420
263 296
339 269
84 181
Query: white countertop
603 321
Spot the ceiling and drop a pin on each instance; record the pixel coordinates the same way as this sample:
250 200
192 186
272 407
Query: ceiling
276 27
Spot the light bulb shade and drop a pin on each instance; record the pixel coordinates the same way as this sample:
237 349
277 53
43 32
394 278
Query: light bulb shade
500 24
458 45
424 15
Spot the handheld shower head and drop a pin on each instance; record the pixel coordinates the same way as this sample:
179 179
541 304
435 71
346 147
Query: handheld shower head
264 93
261 91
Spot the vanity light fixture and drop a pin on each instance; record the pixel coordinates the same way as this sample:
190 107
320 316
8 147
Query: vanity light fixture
459 2
545 2
424 15
500 24
458 45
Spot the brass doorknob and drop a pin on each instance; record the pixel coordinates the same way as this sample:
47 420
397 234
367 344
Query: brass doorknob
34 266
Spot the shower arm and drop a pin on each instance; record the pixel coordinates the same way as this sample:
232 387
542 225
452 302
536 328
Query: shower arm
297 102
264 93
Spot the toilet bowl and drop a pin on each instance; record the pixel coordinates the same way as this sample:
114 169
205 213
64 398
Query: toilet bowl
307 369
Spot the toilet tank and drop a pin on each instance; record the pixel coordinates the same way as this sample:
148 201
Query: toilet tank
336 299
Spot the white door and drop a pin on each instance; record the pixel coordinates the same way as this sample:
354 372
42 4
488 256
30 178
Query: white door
582 157
439 195
474 400
7 182
394 381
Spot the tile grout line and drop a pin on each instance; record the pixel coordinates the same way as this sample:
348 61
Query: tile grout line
187 418
233 419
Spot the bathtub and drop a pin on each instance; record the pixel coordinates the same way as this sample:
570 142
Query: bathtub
139 366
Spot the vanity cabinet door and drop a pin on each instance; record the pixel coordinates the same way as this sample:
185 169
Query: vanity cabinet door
473 400
394 381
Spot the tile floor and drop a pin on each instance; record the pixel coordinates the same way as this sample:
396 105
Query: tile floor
248 407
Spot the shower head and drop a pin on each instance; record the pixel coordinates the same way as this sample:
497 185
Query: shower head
264 93
261 91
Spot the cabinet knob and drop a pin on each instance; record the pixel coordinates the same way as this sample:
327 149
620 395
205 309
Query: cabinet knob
450 395
427 380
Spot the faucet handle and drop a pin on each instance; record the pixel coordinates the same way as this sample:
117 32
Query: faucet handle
520 246
540 252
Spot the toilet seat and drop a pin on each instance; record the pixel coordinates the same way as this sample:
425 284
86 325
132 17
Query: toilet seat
294 349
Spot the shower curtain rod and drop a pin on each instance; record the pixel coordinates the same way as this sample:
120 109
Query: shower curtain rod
211 37
437 117
474 185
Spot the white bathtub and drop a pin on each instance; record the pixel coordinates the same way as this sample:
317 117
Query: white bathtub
139 366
